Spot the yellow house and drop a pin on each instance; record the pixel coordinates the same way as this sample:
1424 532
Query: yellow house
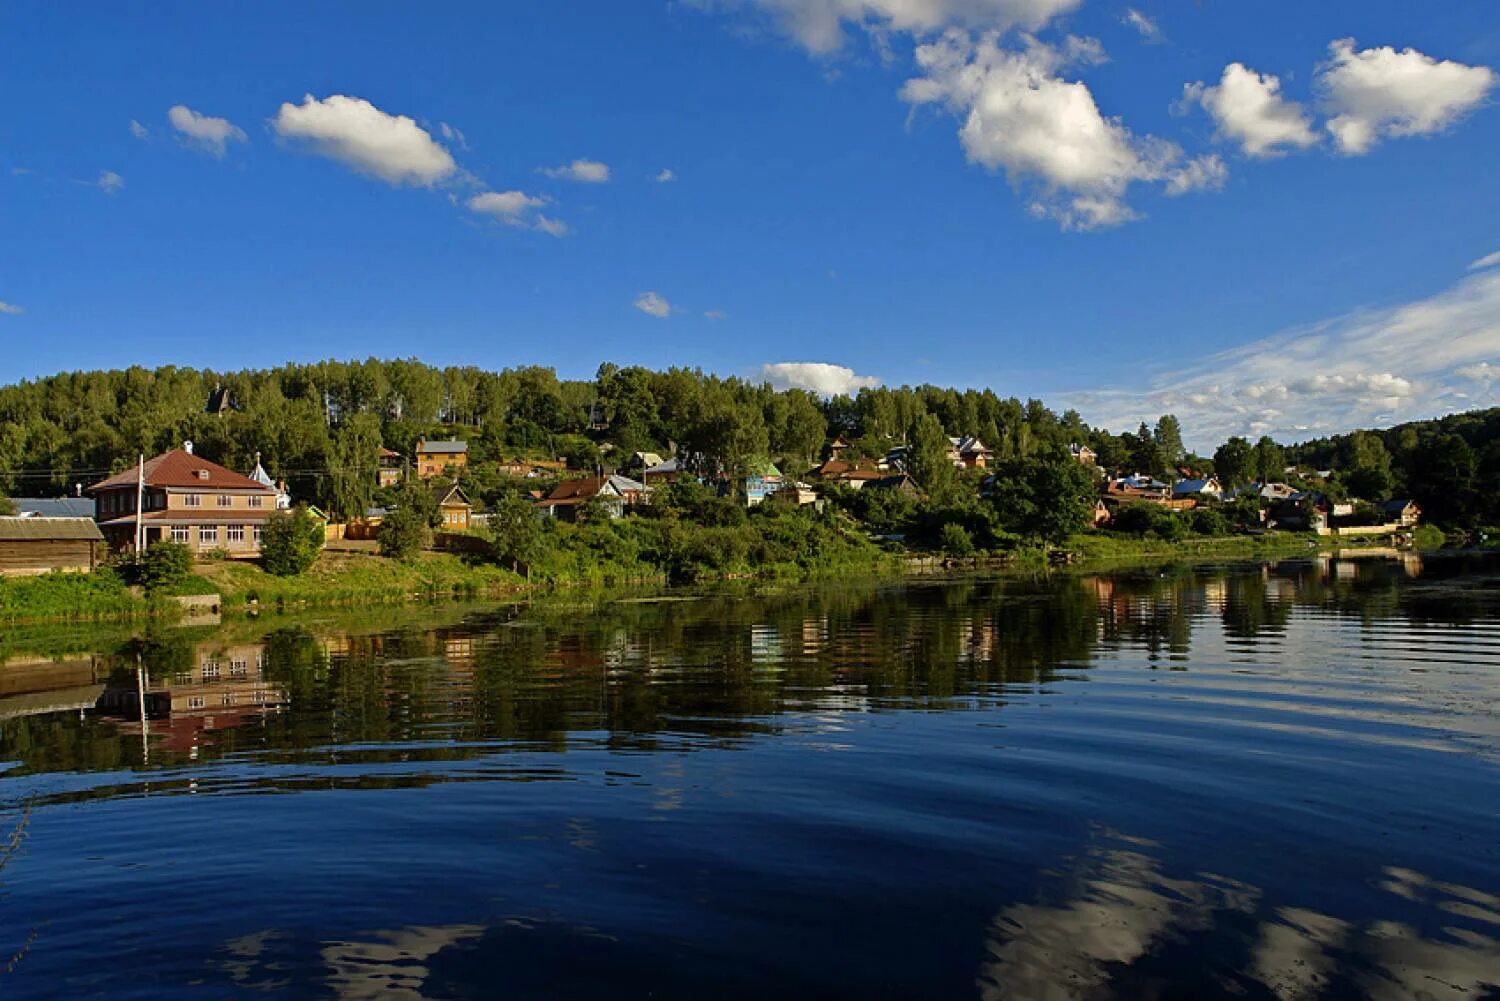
434 458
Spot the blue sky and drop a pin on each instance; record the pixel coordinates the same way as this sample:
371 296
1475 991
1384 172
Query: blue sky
1219 209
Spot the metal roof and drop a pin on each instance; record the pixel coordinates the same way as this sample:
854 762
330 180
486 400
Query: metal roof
452 447
55 507
49 530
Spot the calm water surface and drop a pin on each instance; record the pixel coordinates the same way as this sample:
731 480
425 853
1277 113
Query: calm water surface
1253 781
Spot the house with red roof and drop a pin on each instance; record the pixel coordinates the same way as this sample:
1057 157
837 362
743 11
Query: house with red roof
181 497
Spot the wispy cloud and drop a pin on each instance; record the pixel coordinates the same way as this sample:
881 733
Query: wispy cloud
1487 261
10 309
823 378
138 130
582 171
667 176
1367 368
204 132
109 182
1149 29
715 314
654 304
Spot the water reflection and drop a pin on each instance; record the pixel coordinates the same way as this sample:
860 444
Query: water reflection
1267 780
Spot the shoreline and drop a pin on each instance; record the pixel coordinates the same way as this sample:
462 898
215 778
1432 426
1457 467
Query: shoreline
342 581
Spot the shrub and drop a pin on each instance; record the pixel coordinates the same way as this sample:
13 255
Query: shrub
164 564
1207 521
955 539
291 542
404 533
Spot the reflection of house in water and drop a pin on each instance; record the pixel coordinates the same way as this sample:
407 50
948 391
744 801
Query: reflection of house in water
221 688
765 644
32 686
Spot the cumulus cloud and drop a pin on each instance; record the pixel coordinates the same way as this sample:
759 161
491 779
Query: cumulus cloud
393 148
1045 132
819 25
582 171
109 182
1487 261
204 132
1378 93
822 378
653 304
667 176
1248 109
1363 369
138 130
1148 28
516 208
10 309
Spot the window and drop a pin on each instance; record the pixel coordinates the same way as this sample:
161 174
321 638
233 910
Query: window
255 501
257 532
180 534
227 699
182 678
208 535
196 702
192 500
225 500
236 534
237 668
210 670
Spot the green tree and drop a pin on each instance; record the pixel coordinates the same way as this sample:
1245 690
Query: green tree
1168 438
927 459
1146 455
1233 462
955 539
291 541
164 564
407 529
1046 498
356 451
1269 461
517 533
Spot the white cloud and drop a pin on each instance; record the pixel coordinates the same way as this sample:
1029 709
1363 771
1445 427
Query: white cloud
10 309
1366 368
653 304
109 182
1381 93
715 314
583 171
1248 109
1046 133
517 208
209 134
667 176
818 25
819 377
1487 261
393 148
1148 28
138 130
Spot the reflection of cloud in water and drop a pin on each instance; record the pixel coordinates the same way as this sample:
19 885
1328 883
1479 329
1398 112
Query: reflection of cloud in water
385 966
1122 909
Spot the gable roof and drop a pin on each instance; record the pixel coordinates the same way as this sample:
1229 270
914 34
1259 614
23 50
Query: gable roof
49 530
578 490
450 447
1396 505
445 495
182 469
1195 486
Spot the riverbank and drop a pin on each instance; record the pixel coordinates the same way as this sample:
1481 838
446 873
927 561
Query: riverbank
344 579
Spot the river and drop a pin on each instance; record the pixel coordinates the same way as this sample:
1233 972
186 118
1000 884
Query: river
1262 780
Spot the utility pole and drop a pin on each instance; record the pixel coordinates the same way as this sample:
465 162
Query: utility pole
140 496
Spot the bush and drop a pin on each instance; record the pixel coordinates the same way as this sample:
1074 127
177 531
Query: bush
955 540
405 532
164 564
1207 521
291 542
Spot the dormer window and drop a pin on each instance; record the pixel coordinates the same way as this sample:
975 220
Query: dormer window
202 474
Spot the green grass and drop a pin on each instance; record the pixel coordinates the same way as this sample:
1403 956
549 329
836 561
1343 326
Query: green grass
69 597
342 579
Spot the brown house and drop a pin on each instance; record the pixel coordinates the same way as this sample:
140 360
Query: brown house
39 545
186 499
388 468
435 458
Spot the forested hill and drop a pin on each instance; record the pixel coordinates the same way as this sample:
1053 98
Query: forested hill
320 427
1450 465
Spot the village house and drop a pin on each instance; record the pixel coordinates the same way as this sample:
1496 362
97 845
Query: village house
666 471
186 499
1208 487
388 468
569 496
798 493
533 469
762 479
437 458
968 452
1405 513
1083 455
54 507
898 482
36 545
1273 492
283 496
454 508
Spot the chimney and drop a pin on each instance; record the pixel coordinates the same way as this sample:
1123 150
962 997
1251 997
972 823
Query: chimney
78 490
187 447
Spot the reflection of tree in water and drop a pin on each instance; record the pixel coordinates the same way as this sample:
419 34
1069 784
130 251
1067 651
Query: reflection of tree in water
1116 926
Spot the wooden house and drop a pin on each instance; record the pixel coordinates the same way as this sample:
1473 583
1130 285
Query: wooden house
454 508
39 545
388 468
186 499
968 452
569 496
1405 513
435 458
